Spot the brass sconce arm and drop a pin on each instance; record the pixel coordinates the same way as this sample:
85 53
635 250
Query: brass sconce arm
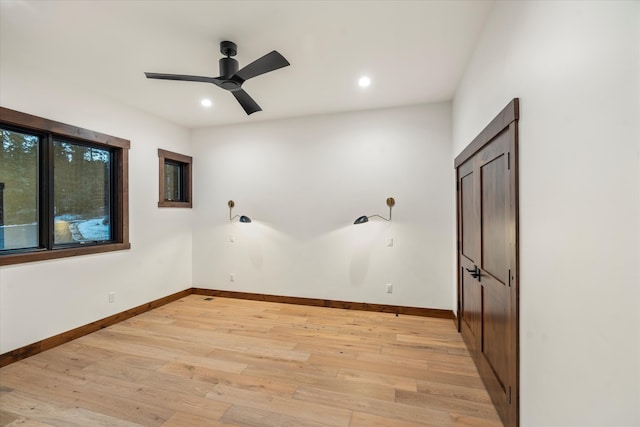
243 218
364 218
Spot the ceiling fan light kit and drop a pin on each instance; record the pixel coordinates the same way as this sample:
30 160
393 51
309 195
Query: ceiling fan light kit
231 77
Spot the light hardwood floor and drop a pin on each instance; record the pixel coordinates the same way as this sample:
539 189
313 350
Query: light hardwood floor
231 362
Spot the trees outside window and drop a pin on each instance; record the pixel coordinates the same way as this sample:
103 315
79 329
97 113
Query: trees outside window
64 190
19 178
82 193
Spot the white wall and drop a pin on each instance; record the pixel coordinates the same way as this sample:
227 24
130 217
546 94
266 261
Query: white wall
303 182
575 68
39 300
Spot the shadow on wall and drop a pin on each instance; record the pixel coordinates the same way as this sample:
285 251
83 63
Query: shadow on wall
363 239
256 253
359 265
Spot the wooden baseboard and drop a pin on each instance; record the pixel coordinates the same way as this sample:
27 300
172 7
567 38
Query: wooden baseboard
363 306
56 340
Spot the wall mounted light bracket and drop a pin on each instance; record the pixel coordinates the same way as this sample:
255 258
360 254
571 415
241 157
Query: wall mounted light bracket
243 218
364 218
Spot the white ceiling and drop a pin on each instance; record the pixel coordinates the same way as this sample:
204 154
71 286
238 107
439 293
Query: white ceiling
414 51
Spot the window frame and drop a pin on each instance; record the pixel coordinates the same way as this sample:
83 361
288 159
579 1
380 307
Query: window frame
50 129
186 163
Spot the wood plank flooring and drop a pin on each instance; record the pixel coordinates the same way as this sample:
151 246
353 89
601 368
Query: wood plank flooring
230 362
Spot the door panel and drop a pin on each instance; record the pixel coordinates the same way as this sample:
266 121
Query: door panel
468 224
472 305
494 201
495 319
495 192
488 258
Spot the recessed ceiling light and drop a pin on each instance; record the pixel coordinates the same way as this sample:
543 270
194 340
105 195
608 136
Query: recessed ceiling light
364 81
206 103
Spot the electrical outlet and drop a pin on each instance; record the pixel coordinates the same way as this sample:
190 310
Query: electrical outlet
232 277
389 288
112 297
232 239
390 242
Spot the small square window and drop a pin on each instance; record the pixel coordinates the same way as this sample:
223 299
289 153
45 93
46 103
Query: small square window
175 180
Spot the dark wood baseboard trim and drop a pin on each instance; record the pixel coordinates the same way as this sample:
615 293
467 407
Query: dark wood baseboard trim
56 340
363 306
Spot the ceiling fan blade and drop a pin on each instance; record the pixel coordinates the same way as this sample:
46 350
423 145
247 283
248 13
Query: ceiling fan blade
181 77
271 61
250 106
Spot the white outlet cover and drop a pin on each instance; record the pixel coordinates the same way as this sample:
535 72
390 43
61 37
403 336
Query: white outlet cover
390 242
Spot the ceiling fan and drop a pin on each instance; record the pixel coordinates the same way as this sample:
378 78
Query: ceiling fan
231 78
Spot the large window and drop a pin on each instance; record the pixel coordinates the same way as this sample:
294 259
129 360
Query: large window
63 190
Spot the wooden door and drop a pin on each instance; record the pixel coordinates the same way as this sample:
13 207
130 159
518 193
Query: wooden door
487 205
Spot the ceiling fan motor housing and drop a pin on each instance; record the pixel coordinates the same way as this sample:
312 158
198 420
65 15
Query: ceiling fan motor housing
228 67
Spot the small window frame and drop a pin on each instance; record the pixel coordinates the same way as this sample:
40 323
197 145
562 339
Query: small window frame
186 163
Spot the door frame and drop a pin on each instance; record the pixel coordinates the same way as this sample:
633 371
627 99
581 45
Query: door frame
507 119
